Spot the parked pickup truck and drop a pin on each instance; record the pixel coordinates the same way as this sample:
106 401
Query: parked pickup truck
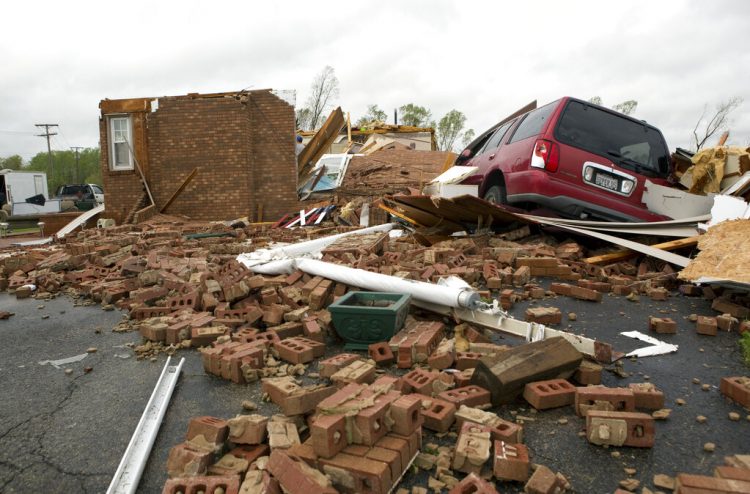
575 158
85 196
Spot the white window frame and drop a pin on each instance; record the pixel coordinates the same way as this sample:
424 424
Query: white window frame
111 119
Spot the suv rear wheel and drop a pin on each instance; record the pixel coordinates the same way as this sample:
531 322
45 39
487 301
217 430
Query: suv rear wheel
495 194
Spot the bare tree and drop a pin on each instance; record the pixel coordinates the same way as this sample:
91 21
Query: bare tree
324 89
717 123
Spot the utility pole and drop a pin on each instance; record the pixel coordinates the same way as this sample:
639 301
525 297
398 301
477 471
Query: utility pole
78 174
48 134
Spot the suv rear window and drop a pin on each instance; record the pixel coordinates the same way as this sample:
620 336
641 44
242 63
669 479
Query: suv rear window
533 122
625 142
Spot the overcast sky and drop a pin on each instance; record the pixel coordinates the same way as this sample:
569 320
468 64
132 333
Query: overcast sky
486 59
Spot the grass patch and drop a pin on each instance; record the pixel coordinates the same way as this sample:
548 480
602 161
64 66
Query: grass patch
745 344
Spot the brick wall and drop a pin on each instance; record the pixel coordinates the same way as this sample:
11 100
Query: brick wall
243 149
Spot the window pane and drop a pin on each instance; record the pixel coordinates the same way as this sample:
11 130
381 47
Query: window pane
533 122
601 132
121 155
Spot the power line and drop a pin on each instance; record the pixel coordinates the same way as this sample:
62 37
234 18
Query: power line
47 134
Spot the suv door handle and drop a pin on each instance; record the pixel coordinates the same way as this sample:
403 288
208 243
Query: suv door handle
492 156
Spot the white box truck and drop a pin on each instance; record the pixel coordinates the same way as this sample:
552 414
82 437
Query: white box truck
17 186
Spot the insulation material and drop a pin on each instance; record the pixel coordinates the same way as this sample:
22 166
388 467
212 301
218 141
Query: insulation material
719 257
715 169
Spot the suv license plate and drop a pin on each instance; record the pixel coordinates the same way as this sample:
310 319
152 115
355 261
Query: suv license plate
606 182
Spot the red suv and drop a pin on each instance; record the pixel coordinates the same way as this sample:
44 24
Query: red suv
576 158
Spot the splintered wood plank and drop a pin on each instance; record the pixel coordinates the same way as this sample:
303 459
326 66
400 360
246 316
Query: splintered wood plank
179 190
627 254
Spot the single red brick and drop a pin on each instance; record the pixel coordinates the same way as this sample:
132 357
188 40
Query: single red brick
187 460
473 484
553 393
662 325
212 430
438 414
737 389
706 326
247 429
406 414
543 481
419 381
511 461
620 428
296 477
621 399
229 483
647 396
471 396
381 353
686 483
328 434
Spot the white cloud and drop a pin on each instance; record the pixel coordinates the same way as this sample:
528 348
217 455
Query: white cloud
484 58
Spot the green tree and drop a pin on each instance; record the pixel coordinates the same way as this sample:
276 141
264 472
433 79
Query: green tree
65 170
324 90
14 162
373 115
449 129
468 137
416 116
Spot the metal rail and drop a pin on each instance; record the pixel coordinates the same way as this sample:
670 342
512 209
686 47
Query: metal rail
134 460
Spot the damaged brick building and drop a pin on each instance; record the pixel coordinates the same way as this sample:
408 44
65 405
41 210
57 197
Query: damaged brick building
240 145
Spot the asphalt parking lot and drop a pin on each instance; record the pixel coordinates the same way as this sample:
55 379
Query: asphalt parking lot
67 432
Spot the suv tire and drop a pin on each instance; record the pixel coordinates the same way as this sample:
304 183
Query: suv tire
495 194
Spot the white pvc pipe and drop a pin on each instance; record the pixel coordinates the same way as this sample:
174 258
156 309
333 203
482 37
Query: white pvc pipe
428 292
252 259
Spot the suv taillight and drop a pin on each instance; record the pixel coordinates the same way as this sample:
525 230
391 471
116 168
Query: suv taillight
546 155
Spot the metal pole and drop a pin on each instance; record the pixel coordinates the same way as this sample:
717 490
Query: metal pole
48 134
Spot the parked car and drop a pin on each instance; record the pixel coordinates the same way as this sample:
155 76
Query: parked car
575 158
85 196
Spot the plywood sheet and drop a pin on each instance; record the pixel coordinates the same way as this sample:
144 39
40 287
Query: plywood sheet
320 142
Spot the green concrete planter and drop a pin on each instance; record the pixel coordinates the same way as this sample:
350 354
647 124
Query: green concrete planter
363 318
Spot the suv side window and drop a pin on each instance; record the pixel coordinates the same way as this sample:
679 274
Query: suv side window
494 141
533 122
